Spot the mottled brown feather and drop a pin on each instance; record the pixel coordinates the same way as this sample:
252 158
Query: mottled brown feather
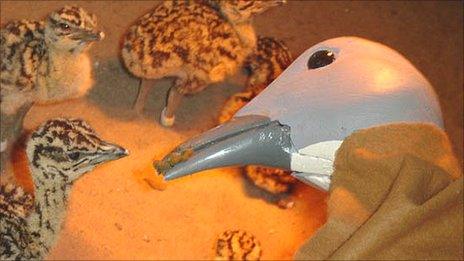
193 40
271 58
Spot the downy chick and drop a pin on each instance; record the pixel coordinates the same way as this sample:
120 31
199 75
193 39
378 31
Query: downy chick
43 62
59 152
197 42
266 64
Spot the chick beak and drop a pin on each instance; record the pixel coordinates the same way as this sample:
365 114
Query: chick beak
90 36
241 141
108 152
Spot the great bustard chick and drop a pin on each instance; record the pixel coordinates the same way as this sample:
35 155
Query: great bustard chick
197 42
271 58
59 152
43 62
264 65
237 245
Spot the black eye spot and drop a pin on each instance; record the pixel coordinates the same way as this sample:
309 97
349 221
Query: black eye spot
64 26
74 155
250 68
320 59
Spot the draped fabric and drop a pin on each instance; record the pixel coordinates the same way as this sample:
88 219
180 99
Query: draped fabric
396 193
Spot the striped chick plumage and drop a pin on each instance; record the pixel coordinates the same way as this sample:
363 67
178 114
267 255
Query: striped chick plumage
266 64
237 245
46 61
42 62
59 153
197 42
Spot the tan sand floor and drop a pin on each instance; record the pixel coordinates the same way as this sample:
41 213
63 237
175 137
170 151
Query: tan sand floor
114 214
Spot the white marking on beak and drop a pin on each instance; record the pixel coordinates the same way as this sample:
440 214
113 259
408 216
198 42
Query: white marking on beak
314 163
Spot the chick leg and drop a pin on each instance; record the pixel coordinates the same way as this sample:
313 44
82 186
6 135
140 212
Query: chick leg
144 90
172 103
183 85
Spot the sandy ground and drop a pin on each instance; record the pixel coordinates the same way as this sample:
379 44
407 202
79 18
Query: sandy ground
113 214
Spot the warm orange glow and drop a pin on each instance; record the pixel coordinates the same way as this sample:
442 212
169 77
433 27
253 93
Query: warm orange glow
368 154
150 177
345 206
385 79
20 166
448 163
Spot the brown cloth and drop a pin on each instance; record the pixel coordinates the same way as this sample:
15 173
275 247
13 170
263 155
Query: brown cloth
396 193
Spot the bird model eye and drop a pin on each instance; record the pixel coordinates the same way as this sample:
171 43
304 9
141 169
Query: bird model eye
74 155
320 59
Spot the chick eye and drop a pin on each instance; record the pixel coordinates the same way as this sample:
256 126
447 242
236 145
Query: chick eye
74 155
63 26
320 59
250 68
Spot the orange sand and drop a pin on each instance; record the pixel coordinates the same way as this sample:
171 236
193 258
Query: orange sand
115 214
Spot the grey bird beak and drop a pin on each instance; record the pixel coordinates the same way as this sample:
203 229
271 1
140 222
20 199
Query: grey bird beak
109 152
242 141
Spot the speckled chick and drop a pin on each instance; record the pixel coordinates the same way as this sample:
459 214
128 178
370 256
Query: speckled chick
197 42
266 64
59 153
47 61
237 245
44 62
272 180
